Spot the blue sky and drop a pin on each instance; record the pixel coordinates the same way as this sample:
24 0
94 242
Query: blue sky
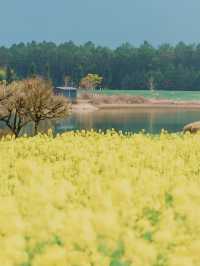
105 22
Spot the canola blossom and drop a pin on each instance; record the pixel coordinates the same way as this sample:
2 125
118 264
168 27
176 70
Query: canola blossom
100 199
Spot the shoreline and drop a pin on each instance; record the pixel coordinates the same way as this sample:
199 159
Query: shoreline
148 105
89 107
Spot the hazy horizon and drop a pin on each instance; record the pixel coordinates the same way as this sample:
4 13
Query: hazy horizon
105 22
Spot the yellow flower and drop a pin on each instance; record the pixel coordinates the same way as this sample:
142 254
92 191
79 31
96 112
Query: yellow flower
53 256
87 198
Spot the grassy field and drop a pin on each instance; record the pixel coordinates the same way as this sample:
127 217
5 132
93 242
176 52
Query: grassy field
91 199
172 95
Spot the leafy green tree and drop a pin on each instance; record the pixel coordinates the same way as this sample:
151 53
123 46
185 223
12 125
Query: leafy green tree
91 81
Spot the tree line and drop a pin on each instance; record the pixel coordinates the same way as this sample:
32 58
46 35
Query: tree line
165 67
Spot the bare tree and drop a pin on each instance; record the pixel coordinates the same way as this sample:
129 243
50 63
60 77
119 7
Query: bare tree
41 103
13 107
4 92
30 100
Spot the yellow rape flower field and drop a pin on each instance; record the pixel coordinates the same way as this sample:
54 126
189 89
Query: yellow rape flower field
94 199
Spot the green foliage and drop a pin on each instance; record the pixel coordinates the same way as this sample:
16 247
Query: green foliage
126 67
117 256
2 74
161 260
103 249
119 252
148 236
32 70
47 73
168 200
8 75
57 241
91 81
152 215
116 262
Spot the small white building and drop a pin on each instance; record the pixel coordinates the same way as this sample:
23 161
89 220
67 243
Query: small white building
69 92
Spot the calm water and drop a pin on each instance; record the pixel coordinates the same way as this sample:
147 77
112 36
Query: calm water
152 120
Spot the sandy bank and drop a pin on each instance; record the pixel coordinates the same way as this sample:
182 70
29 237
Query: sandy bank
88 107
148 105
83 107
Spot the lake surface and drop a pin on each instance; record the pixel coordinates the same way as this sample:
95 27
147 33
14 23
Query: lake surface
152 120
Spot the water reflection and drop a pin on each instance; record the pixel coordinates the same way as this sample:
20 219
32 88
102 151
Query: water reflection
152 120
